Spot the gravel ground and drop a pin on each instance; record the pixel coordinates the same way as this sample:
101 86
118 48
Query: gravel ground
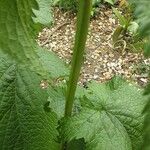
101 61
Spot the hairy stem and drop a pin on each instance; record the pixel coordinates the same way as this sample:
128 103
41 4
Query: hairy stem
83 20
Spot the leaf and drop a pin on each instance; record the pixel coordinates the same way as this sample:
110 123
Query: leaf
52 64
68 4
133 27
96 2
111 117
146 145
44 14
123 3
76 145
147 90
57 100
117 33
17 36
23 122
100 130
142 14
122 20
112 2
147 48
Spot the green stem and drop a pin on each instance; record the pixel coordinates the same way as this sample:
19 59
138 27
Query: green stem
83 20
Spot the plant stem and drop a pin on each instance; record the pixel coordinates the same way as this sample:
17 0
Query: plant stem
83 20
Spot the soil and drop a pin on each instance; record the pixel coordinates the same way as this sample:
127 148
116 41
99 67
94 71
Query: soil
101 61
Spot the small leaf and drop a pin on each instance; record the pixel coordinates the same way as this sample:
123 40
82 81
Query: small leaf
133 27
43 15
117 33
122 20
96 2
110 1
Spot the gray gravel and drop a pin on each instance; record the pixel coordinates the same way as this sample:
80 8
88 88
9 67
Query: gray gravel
101 61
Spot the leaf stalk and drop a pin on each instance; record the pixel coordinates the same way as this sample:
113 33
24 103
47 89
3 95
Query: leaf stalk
83 20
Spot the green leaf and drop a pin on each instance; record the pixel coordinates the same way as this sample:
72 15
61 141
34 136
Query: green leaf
56 100
52 64
147 90
122 20
117 33
147 48
133 27
100 130
17 36
44 14
76 145
96 2
142 14
23 122
111 117
146 145
112 2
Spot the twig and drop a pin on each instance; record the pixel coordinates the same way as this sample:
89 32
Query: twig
59 27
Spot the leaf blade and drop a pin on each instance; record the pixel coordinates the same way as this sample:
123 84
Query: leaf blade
113 106
24 123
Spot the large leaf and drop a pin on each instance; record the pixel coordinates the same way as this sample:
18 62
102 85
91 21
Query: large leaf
111 117
24 122
17 33
24 125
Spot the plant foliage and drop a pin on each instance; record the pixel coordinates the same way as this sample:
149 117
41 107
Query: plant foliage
73 4
109 118
143 14
17 35
105 116
24 123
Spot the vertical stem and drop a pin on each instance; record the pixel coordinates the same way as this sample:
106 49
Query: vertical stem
83 20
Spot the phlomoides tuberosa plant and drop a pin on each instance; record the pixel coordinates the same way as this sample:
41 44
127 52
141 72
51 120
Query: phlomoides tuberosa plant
106 116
